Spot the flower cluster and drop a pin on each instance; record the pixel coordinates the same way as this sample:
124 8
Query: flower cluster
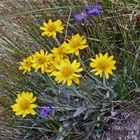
88 10
59 64
93 10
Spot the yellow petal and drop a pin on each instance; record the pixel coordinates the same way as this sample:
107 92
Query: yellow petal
69 82
106 75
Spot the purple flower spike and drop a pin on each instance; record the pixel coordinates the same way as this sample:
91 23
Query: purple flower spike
45 111
88 7
79 17
93 10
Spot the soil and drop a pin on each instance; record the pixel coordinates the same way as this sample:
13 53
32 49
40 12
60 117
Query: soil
127 129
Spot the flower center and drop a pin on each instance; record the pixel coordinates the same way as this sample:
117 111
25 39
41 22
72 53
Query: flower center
41 61
24 104
75 43
67 71
60 51
51 28
28 64
103 65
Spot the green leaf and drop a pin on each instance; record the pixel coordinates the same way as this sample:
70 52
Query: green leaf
79 111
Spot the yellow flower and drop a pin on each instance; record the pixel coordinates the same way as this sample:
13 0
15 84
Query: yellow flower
26 64
67 72
103 64
75 44
59 53
51 68
51 65
41 61
24 104
50 28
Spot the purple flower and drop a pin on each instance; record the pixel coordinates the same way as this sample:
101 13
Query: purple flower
79 17
93 10
45 111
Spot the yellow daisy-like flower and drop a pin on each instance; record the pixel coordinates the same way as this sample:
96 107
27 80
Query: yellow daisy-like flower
103 64
68 72
50 28
75 44
24 104
59 53
51 68
51 65
41 61
26 64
